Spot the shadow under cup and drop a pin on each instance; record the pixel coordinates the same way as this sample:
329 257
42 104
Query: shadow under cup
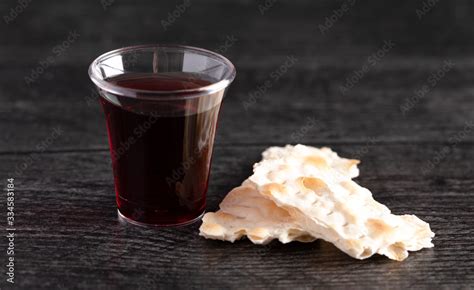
161 105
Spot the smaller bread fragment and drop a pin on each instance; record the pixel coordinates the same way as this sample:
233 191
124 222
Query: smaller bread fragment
244 212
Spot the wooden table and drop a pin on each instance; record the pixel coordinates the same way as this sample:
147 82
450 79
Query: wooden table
360 82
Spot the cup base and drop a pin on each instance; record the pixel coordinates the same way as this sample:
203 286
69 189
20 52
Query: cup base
124 219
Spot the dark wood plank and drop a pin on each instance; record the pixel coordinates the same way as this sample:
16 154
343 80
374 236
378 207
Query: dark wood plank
420 162
310 89
67 224
304 106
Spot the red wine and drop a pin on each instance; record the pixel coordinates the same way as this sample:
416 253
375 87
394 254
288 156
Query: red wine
161 149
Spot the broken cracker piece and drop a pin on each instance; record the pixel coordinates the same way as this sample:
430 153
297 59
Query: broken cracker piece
305 193
350 218
244 212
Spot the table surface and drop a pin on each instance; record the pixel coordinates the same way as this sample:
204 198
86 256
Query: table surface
389 83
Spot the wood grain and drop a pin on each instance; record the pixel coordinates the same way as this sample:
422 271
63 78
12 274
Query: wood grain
68 225
68 232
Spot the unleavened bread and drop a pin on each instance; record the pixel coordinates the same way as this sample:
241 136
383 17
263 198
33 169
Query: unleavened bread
305 193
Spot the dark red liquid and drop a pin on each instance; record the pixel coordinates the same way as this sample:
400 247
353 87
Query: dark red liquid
161 150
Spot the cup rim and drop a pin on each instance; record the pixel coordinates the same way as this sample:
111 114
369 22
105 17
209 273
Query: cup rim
224 82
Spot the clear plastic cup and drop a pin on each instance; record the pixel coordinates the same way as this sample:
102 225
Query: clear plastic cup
161 104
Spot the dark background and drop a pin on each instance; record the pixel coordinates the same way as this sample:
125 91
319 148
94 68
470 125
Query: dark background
416 161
